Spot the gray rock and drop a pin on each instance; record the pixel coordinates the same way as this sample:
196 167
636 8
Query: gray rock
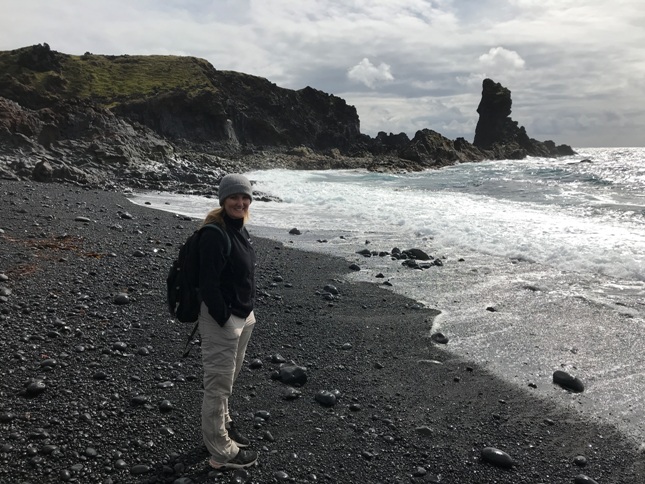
567 381
326 398
121 299
294 375
582 479
439 338
497 457
139 469
291 393
35 388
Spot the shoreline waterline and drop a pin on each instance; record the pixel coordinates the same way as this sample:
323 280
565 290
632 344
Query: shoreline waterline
405 403
520 319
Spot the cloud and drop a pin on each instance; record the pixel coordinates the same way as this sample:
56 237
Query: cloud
367 73
561 59
499 58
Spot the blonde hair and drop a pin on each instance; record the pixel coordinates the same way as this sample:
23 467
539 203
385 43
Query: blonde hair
216 216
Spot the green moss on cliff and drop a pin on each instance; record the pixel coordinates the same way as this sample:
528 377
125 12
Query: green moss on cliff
106 79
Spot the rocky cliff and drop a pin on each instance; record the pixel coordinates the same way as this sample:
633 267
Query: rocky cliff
167 121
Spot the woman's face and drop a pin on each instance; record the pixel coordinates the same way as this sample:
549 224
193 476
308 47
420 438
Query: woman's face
237 206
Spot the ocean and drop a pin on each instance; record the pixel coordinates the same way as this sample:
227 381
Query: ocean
543 260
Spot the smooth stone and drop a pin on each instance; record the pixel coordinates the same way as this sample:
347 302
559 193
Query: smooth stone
120 346
143 351
291 394
38 434
582 479
332 289
425 431
65 475
294 231
567 381
188 480
120 464
91 452
48 449
139 400
419 472
355 267
367 455
121 299
256 364
49 362
139 469
240 476
439 338
580 460
281 476
35 388
7 417
497 457
263 414
166 406
293 375
325 398
99 375
278 358
417 254
82 219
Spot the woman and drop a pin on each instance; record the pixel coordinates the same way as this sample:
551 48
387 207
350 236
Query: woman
226 319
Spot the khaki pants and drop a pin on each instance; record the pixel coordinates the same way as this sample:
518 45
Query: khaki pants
223 350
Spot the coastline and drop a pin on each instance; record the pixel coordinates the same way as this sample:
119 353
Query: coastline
409 410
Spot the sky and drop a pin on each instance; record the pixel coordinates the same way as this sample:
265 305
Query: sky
575 68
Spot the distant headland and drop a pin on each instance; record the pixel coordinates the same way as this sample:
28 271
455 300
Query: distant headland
177 123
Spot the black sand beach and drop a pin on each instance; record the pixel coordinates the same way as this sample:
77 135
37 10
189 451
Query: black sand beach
94 388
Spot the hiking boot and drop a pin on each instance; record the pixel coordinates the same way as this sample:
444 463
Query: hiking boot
244 458
237 437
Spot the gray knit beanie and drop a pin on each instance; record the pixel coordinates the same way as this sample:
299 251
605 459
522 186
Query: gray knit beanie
232 184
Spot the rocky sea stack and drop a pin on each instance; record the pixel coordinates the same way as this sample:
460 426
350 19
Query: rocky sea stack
169 122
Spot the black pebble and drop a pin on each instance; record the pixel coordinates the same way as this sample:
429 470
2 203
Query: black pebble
567 381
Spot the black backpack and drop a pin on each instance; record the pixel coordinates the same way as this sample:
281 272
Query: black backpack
182 283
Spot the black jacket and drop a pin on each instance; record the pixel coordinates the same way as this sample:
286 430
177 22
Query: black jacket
227 284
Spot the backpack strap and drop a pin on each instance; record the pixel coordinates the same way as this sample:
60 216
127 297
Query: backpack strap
227 253
227 240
